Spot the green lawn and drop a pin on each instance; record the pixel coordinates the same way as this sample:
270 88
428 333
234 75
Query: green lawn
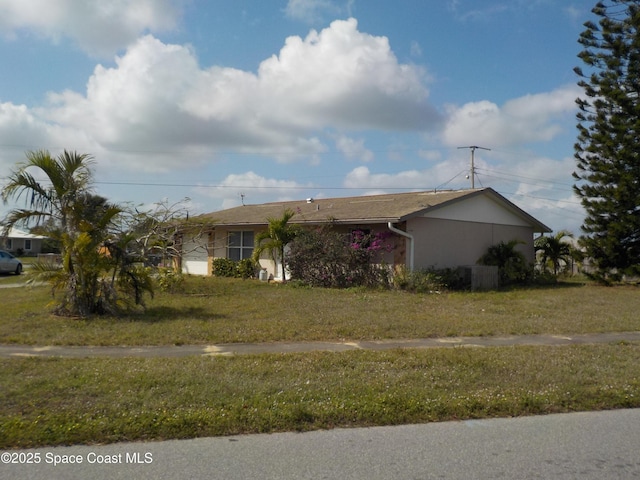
64 401
226 310
52 401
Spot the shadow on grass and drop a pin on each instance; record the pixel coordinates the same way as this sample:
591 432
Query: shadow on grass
168 313
560 285
571 284
8 275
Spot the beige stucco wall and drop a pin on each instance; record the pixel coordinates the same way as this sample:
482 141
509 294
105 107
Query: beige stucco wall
441 243
220 241
220 236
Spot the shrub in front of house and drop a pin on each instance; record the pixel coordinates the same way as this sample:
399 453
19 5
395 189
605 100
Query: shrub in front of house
427 281
225 267
513 267
322 257
169 280
246 268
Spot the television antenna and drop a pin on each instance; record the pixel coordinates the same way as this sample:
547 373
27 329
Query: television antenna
472 171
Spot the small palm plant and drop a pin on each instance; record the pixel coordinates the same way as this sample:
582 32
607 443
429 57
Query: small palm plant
512 264
555 251
57 190
274 240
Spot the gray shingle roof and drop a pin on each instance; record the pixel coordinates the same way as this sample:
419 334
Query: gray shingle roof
394 207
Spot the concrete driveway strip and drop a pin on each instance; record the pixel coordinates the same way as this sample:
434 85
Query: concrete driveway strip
586 446
10 350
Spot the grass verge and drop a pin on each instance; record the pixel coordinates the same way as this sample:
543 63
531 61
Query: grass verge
212 310
53 401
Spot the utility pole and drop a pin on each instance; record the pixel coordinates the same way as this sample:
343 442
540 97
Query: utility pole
472 173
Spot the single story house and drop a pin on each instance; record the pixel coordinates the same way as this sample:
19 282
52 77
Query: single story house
19 242
443 229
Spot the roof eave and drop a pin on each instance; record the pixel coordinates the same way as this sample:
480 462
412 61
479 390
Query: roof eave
343 221
538 226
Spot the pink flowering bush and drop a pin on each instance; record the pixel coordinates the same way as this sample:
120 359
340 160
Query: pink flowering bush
325 258
371 242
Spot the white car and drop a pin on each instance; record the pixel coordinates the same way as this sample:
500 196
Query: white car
9 263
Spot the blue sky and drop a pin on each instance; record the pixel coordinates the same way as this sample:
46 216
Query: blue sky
290 99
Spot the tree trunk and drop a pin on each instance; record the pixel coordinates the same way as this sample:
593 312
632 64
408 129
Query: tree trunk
284 274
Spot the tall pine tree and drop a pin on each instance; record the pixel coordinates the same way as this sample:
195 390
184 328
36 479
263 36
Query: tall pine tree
607 150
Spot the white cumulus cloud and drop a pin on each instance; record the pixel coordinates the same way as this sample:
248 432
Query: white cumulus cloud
97 27
531 118
438 175
157 98
354 149
249 187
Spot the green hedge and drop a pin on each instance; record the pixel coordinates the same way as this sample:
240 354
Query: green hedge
224 267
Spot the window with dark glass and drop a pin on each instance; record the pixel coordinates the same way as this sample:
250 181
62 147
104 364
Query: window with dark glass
240 245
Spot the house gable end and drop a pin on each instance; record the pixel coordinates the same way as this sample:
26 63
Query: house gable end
485 207
478 210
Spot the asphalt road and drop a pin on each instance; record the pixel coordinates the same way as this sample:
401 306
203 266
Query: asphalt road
586 446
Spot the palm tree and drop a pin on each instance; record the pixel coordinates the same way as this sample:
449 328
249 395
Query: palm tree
554 251
512 264
277 236
67 176
77 218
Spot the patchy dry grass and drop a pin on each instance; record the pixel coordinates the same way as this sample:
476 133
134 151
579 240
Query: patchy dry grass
214 310
62 401
53 401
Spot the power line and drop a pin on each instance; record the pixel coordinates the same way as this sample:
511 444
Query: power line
257 187
524 177
322 187
555 200
450 180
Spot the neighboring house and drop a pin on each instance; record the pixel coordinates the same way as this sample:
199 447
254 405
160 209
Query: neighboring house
19 242
444 229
